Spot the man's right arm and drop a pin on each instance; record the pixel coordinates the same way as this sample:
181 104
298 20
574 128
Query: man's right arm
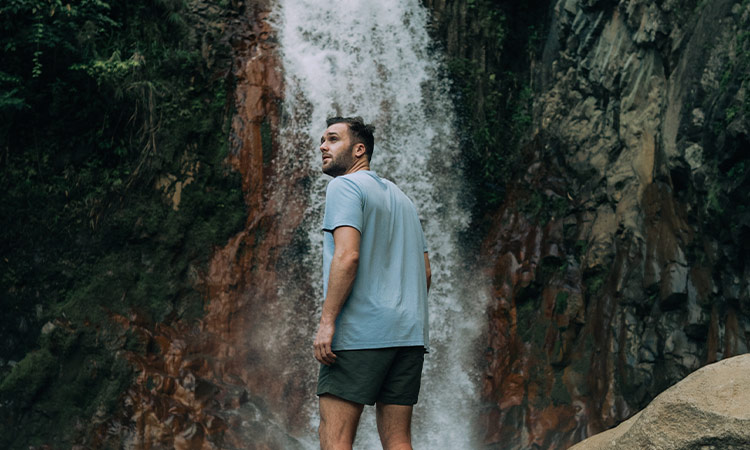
341 277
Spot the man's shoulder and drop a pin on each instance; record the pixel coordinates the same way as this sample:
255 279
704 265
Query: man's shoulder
358 180
353 177
344 185
361 176
367 182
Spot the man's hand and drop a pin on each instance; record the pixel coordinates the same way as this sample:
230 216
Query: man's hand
322 344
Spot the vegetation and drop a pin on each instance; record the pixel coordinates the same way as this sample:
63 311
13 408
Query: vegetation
543 207
493 92
561 302
725 149
104 107
66 389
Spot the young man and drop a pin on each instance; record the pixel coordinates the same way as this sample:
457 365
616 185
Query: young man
373 330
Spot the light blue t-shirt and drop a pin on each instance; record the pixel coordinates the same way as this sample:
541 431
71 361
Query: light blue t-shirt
388 303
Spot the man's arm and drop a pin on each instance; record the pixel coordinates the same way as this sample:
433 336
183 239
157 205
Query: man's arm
340 280
427 270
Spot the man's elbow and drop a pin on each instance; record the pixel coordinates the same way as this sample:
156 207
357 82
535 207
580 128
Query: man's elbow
353 258
348 258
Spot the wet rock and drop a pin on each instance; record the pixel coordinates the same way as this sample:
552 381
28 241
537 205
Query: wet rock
601 239
708 409
673 291
630 113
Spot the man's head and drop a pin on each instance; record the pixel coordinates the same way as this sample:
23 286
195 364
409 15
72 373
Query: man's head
359 132
346 145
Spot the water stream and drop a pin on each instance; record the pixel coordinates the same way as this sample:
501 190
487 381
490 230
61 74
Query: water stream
359 57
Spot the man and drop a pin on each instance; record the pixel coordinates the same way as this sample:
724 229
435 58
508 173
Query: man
373 330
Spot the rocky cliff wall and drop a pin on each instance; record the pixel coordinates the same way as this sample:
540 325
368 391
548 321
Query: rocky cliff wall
227 380
619 254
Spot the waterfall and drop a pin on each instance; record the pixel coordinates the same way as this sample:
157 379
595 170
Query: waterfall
359 57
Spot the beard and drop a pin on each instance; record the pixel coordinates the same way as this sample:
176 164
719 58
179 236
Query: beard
338 165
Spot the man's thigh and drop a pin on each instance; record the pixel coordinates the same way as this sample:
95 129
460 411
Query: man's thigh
394 425
338 421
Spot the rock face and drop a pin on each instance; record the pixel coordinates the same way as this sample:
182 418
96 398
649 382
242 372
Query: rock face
708 409
619 257
220 383
620 254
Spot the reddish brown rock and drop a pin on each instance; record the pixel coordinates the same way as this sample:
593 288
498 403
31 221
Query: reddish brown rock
528 332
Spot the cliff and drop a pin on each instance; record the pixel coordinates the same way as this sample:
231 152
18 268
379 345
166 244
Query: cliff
605 142
619 251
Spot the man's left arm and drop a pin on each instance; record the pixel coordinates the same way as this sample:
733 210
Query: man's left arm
340 281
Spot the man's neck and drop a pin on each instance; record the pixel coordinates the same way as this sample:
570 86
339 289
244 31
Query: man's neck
359 165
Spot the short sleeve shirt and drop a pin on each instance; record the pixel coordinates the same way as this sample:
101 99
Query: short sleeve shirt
388 303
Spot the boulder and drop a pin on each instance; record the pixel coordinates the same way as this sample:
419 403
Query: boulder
709 409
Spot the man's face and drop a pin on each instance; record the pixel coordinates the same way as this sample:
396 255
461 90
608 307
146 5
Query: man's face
337 150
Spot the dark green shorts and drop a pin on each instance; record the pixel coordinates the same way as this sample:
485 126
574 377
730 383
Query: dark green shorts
387 375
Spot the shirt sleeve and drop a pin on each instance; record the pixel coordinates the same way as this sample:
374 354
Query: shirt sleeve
344 205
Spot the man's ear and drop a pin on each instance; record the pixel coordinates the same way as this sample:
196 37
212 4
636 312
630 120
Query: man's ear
359 150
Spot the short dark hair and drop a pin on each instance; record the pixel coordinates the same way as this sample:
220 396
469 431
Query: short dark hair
360 132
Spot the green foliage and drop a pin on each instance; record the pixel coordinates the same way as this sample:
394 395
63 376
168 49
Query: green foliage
561 302
521 118
594 281
542 207
99 100
532 326
581 247
493 95
117 98
713 197
534 204
10 99
28 377
111 70
726 147
737 170
492 137
72 376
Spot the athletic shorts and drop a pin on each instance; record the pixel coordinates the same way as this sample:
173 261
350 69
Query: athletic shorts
387 375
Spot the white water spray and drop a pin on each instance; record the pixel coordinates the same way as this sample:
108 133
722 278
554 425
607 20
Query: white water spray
372 58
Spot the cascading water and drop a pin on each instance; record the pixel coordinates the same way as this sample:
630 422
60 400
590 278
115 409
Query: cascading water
359 57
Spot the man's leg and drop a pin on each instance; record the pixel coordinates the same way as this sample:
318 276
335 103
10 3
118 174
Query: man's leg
338 422
394 426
